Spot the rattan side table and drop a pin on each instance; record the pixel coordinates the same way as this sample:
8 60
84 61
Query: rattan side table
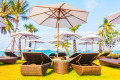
61 66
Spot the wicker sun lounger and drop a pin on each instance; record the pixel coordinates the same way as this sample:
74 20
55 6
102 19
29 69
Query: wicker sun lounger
11 54
83 64
37 64
74 55
61 54
8 60
110 62
104 55
52 55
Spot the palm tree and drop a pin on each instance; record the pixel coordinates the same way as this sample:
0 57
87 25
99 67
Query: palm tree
73 29
106 28
31 29
18 10
5 13
65 46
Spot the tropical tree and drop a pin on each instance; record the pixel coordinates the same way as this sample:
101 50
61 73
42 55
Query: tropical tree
108 33
18 11
5 13
65 46
73 29
31 28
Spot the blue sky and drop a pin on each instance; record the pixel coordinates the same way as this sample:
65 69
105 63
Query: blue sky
98 10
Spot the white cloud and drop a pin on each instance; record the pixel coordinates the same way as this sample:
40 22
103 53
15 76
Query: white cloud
90 4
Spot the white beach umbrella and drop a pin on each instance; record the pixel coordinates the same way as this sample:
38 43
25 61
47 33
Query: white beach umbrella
69 36
41 49
28 48
83 50
25 35
2 22
85 43
35 41
64 50
55 41
114 18
92 38
55 49
58 16
116 38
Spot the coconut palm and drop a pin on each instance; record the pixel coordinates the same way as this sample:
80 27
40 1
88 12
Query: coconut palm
5 13
18 11
73 29
65 46
106 27
107 32
31 29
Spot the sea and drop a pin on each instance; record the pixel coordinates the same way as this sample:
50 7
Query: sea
48 52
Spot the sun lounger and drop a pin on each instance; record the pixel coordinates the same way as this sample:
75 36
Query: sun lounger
36 63
83 64
74 55
11 54
52 55
8 60
110 62
61 54
103 55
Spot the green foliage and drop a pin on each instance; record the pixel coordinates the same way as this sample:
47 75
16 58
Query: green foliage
73 29
4 13
108 33
30 28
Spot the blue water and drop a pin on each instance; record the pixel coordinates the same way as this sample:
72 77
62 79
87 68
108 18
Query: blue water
47 52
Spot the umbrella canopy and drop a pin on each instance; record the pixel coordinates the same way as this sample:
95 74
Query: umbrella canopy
83 50
2 22
41 49
55 41
114 18
92 38
55 49
85 43
28 48
35 41
58 16
25 35
68 36
116 38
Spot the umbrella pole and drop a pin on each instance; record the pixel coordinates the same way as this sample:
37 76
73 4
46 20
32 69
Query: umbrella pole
25 45
34 46
92 46
58 32
86 48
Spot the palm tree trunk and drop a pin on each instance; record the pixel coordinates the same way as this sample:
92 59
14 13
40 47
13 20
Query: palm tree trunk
100 47
19 48
30 47
16 21
74 47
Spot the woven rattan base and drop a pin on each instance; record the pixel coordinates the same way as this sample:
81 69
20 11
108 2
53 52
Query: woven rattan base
61 67
87 70
36 70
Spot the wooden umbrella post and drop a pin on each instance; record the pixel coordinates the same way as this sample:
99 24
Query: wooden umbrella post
92 46
86 47
25 45
34 46
58 31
